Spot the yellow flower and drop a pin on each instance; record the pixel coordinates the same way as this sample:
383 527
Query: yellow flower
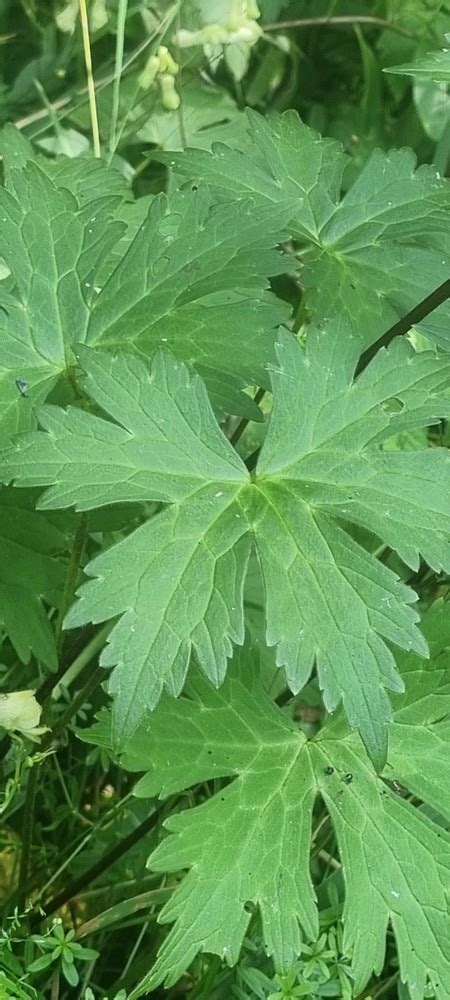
20 712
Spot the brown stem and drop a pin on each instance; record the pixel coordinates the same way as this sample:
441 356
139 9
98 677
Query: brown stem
403 325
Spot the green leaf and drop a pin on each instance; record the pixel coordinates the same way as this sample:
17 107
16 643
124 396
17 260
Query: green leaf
432 66
84 265
327 468
69 971
51 247
89 179
32 575
187 563
280 160
314 474
177 580
168 445
419 739
249 842
40 963
372 255
193 279
205 109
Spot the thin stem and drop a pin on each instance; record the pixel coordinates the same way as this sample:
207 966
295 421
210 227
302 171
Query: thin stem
319 22
74 668
69 671
103 822
55 986
135 948
118 68
385 987
238 432
90 78
108 859
27 836
64 102
79 700
403 325
180 109
33 776
252 460
330 860
32 783
76 554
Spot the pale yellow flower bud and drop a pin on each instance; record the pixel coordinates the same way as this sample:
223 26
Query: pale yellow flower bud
166 63
149 73
169 97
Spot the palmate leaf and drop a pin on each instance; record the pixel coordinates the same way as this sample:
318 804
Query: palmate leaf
372 255
190 275
177 581
52 246
249 843
187 564
194 279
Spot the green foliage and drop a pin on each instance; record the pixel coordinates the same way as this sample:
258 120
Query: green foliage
58 947
369 255
338 603
53 243
225 535
249 841
433 66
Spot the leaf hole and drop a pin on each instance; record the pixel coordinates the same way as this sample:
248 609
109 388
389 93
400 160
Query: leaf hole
393 405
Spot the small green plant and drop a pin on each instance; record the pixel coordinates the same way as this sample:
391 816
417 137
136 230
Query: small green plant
60 951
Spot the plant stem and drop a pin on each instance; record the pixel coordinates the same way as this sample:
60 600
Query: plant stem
108 859
33 776
202 990
238 432
27 836
72 709
403 325
32 783
71 670
95 828
118 68
320 22
385 987
90 78
55 985
76 554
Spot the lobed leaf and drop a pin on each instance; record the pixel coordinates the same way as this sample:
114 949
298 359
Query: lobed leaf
371 255
249 842
177 580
